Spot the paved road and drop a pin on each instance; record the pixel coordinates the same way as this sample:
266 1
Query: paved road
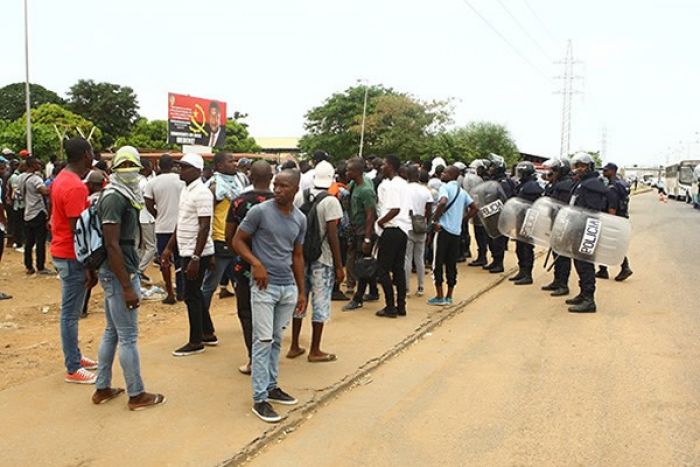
516 380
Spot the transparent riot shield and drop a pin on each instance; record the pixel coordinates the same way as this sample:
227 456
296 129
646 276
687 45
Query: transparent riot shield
594 237
489 198
515 221
540 220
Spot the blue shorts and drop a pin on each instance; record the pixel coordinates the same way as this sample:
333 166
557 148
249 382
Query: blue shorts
319 283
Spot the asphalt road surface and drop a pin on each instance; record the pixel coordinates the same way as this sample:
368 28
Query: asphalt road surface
516 380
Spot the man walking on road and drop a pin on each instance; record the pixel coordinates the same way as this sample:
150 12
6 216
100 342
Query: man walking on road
270 239
33 190
260 176
192 238
322 272
421 201
118 210
618 205
162 196
447 223
69 197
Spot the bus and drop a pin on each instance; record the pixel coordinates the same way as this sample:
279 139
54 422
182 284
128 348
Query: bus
679 180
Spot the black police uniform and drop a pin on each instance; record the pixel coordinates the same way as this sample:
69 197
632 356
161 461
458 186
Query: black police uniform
482 241
589 193
561 191
618 199
529 190
498 245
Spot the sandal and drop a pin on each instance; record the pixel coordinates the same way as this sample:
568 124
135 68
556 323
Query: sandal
329 357
4 296
105 395
148 400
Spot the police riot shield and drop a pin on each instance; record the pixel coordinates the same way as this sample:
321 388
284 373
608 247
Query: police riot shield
490 198
540 220
594 237
515 221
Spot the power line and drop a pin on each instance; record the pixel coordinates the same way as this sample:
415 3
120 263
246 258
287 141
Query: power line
504 38
542 23
525 31
567 91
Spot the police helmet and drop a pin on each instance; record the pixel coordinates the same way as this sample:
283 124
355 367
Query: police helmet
497 161
560 166
525 169
583 158
461 166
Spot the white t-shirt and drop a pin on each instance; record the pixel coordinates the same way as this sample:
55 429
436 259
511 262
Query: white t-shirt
434 183
328 209
196 201
419 195
307 180
145 217
392 194
165 190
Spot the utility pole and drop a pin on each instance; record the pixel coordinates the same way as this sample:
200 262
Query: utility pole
604 144
26 80
567 91
364 116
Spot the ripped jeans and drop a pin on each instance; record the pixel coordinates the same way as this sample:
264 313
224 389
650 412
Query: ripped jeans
272 310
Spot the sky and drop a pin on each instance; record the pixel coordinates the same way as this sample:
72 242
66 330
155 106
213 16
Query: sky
276 59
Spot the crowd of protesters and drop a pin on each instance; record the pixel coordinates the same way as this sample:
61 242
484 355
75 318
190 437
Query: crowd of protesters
288 238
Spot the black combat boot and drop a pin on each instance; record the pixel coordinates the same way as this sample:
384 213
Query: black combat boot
551 286
525 280
577 300
497 267
560 291
624 274
586 306
518 276
480 261
602 273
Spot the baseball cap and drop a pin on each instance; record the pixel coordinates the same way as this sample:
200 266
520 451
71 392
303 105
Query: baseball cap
324 175
3 160
23 153
126 154
6 152
195 160
610 166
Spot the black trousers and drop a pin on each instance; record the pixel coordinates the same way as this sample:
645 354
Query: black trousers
363 283
197 312
464 239
35 233
245 310
562 270
586 277
16 226
498 248
482 240
390 260
526 256
446 255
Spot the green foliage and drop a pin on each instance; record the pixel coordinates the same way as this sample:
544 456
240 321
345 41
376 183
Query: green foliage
147 136
12 99
237 137
475 141
51 125
112 107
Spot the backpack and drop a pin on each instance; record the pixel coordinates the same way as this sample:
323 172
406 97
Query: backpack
88 239
313 241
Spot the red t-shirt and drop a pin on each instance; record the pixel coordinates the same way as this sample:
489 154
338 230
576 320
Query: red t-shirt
69 197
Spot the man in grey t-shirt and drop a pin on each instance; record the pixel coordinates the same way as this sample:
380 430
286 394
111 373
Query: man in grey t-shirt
32 189
270 239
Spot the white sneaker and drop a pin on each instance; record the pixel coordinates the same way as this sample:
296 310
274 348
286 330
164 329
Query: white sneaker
419 292
82 376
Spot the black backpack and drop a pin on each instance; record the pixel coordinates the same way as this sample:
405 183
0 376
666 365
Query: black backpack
313 240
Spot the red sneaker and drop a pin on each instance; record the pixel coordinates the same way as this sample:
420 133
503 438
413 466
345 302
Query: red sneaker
82 376
88 363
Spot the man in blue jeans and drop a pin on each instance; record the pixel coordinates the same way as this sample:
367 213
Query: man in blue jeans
118 210
270 239
69 197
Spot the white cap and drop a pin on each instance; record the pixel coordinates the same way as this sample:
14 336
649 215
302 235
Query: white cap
324 174
6 151
195 160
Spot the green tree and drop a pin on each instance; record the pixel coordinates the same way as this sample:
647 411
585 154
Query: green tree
147 136
112 107
476 140
12 99
238 138
51 126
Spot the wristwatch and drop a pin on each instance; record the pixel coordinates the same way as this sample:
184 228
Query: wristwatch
195 258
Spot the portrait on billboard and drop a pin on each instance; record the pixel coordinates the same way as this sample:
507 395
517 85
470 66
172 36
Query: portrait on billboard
196 121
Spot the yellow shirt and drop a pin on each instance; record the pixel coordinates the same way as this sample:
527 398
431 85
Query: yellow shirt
218 233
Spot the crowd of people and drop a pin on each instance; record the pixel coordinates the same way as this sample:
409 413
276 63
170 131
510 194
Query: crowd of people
288 238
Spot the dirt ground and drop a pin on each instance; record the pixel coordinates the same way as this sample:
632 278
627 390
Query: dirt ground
30 343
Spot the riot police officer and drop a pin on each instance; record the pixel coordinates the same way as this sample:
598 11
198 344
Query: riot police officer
472 180
589 192
559 187
528 189
497 172
618 205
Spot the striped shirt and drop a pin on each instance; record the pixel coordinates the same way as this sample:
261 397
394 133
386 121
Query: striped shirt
195 201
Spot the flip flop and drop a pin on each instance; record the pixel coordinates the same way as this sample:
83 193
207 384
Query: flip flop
100 398
158 399
296 354
4 296
329 357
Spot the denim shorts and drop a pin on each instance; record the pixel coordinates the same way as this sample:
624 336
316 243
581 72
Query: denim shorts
319 283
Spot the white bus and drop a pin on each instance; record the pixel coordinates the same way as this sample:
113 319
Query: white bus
679 180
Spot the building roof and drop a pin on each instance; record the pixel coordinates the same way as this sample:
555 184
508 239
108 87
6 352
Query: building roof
278 143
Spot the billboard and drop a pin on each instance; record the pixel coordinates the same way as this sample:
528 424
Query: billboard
196 121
